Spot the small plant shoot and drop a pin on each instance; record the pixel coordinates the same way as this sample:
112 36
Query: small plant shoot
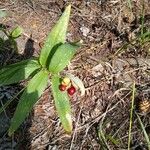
10 38
54 57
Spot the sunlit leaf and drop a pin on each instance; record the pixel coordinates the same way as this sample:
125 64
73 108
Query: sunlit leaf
56 36
78 82
61 57
62 104
16 32
30 96
19 71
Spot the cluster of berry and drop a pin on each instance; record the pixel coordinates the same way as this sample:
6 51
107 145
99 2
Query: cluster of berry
66 84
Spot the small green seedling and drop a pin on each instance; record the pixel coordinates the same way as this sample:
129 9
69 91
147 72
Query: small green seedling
54 57
8 41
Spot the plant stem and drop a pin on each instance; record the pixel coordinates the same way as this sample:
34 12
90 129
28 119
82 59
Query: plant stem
131 114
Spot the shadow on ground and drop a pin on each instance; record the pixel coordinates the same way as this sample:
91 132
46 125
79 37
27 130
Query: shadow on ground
9 55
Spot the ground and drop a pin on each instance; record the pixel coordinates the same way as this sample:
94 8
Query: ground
113 56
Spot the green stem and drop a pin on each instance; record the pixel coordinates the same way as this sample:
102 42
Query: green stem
131 115
9 102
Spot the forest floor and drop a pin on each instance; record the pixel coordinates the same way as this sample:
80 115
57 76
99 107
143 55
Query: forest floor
114 55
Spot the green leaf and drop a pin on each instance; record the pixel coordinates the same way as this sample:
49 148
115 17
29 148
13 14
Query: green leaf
30 96
16 32
61 57
56 36
62 104
19 71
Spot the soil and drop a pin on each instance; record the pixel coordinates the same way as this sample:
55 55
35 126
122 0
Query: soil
110 60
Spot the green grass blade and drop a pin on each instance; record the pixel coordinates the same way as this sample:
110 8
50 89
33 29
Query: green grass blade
30 96
10 101
131 115
61 58
113 140
56 36
144 131
102 134
62 105
103 139
18 71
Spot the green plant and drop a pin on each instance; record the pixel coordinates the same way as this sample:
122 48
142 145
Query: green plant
144 36
144 131
9 39
104 138
131 114
54 57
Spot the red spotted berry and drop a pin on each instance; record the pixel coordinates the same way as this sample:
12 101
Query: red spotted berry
71 90
62 87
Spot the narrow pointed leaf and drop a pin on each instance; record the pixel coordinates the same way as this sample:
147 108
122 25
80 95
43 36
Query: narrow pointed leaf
147 138
62 104
30 96
56 36
61 57
19 71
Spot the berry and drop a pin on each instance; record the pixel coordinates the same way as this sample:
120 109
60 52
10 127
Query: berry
66 81
62 87
71 90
